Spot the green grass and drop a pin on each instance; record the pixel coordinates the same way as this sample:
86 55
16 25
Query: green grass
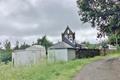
46 71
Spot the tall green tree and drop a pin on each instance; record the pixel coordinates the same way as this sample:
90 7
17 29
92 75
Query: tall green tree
24 46
102 14
112 39
16 46
6 55
7 45
44 42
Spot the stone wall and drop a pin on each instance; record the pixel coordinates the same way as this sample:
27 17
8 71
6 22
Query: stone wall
86 53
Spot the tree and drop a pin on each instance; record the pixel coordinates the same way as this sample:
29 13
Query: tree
7 45
102 14
0 46
6 55
89 45
104 47
17 46
24 46
44 42
112 40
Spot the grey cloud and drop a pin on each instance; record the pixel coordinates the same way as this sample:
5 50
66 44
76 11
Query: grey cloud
39 17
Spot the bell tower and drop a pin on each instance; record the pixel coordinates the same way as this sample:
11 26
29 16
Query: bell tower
68 36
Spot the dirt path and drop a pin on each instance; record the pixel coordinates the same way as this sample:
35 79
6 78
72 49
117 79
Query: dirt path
101 70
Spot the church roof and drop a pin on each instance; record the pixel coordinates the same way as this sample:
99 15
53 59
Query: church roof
61 45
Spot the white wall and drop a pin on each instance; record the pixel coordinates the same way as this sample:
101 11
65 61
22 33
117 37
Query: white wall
26 57
61 55
71 54
57 55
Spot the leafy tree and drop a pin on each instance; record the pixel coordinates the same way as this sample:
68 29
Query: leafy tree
44 42
33 43
102 14
112 40
6 55
89 45
7 45
0 46
17 46
104 47
24 46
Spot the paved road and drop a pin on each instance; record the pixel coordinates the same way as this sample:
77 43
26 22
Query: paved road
101 70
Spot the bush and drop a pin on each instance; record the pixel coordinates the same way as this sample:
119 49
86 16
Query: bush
5 56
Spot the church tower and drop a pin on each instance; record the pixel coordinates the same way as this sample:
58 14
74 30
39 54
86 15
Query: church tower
69 36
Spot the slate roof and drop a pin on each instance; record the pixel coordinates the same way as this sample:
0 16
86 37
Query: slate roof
68 42
61 45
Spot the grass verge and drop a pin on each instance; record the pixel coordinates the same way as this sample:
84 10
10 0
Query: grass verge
46 71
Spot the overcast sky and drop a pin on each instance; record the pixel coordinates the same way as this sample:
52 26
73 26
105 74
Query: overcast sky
26 20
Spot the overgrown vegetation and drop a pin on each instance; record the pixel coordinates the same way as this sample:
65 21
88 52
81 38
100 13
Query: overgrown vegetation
47 71
5 56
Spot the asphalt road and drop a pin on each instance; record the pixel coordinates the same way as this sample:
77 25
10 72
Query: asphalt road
108 69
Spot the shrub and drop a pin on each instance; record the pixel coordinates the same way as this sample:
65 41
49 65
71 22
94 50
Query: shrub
5 56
